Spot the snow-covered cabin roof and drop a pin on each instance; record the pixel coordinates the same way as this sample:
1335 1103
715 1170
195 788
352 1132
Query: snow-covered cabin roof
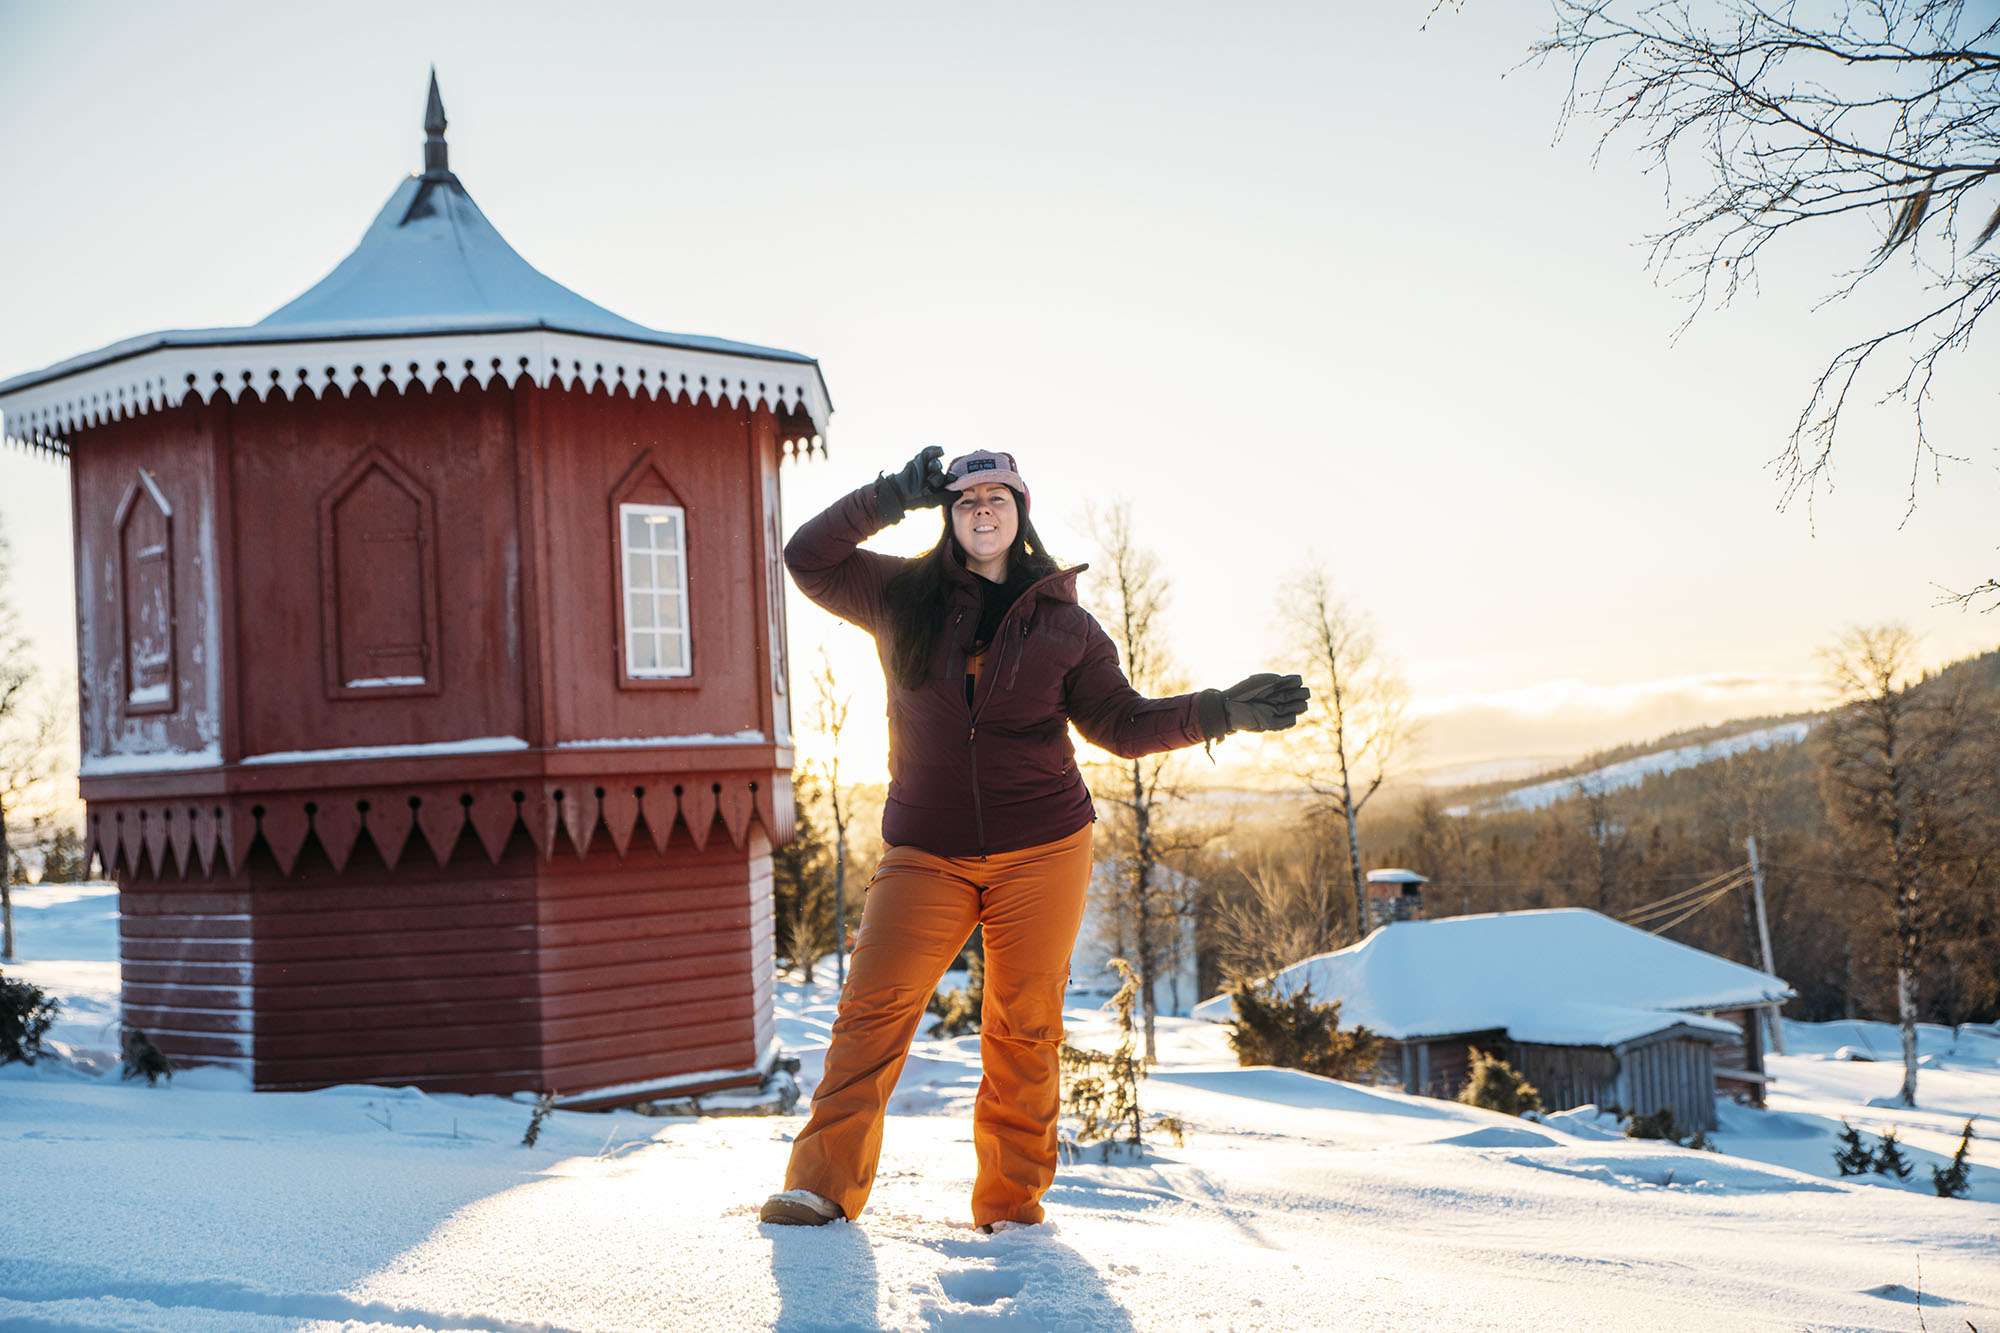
1561 977
432 292
1396 875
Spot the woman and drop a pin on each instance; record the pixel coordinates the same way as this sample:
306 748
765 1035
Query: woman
988 822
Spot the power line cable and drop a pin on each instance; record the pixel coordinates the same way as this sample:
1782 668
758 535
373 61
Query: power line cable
1677 898
1702 906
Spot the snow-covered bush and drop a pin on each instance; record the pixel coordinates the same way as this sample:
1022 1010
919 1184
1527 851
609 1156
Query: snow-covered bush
1498 1086
1296 1033
26 1012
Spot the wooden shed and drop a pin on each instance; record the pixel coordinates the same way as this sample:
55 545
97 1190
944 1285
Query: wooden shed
1590 1010
432 673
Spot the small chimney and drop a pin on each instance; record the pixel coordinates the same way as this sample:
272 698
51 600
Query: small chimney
1395 895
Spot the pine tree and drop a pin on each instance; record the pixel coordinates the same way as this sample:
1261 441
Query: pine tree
1952 1182
1498 1086
1852 1157
1297 1033
26 1013
64 861
1889 1159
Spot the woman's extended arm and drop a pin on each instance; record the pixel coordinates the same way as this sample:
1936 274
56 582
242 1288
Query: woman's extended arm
1116 717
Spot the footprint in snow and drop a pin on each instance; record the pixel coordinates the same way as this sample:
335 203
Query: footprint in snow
981 1285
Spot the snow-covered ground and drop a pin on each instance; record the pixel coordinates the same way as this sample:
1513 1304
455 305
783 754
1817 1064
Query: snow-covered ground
1296 1202
1632 772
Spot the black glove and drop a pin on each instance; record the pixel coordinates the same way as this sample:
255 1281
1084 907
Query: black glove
1266 701
918 486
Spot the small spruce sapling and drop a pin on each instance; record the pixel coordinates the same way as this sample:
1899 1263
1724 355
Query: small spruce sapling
1498 1086
140 1058
1853 1157
1102 1091
1954 1181
543 1105
1889 1159
26 1013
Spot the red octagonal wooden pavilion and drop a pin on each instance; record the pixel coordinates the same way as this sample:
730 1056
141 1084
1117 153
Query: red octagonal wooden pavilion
432 672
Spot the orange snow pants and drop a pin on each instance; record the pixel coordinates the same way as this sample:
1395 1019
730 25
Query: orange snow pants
919 912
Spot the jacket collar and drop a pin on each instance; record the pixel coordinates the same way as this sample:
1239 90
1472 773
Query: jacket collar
1059 586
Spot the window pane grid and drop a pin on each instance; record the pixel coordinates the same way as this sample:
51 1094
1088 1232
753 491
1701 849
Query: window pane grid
655 573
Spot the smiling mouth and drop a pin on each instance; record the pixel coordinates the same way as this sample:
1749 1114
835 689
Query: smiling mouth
988 528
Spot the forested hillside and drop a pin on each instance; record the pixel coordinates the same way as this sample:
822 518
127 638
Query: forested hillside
1635 852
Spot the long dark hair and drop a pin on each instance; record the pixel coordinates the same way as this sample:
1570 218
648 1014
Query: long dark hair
917 596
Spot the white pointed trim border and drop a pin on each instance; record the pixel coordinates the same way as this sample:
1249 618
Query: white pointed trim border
44 416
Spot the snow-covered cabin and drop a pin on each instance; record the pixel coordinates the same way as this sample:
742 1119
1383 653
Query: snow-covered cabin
1395 894
1589 1009
432 671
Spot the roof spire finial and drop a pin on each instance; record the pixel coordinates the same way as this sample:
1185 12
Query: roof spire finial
435 163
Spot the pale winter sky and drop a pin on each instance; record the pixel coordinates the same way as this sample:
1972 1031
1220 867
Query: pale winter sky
1310 281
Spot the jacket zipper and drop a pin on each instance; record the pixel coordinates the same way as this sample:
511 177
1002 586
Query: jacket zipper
972 711
972 752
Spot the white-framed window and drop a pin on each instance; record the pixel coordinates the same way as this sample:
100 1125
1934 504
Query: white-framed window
653 541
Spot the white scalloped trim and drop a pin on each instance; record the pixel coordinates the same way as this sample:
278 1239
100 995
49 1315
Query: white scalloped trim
44 415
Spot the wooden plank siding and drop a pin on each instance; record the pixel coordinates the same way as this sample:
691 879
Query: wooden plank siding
571 973
1673 1070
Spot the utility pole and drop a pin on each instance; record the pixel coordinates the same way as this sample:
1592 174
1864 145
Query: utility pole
1764 939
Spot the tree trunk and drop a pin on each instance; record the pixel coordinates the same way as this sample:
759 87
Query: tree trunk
6 892
1142 878
1354 861
1906 995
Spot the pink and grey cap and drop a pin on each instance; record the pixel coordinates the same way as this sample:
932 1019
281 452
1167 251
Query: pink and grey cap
984 465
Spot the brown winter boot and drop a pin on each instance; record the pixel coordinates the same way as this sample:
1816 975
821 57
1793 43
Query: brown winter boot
799 1208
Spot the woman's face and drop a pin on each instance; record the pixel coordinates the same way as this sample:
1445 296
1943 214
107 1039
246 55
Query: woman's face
983 518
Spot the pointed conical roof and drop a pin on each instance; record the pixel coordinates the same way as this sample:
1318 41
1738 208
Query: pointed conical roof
430 267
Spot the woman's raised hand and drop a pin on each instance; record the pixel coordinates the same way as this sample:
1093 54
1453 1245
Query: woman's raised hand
919 485
1266 701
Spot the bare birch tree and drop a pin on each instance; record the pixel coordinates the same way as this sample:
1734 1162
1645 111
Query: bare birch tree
830 719
1353 742
1903 778
1128 594
1875 123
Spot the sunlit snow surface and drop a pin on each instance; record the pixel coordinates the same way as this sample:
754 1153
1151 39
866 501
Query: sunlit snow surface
1296 1202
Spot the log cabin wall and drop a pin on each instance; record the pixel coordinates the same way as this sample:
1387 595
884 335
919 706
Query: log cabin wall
655 965
1568 1076
1674 1073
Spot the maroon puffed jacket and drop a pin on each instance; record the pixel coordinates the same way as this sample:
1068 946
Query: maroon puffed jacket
998 774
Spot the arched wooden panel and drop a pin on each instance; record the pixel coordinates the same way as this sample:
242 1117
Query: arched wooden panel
378 577
145 530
